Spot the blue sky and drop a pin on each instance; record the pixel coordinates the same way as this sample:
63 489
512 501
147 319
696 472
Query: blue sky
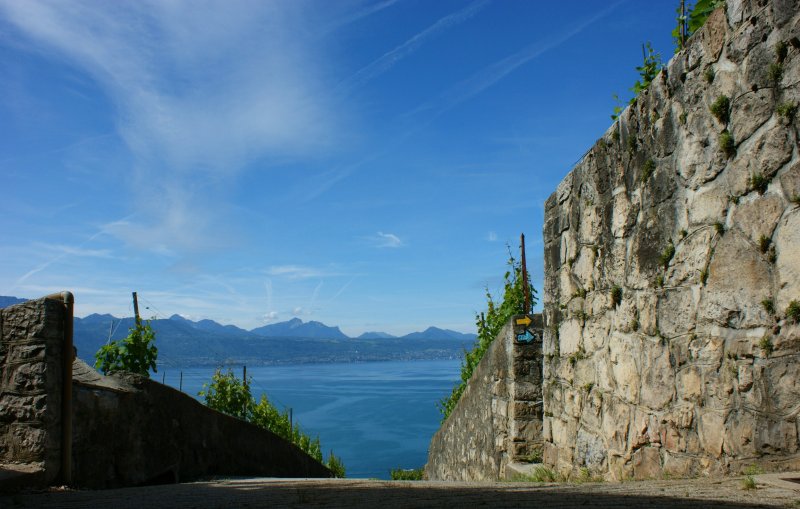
360 163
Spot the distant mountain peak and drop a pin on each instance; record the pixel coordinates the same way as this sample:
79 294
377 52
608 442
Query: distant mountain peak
376 335
297 328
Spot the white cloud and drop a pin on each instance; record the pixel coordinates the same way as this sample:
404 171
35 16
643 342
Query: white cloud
271 316
201 88
387 240
298 272
491 237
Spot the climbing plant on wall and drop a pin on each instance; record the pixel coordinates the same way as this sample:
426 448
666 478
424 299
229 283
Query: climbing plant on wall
489 324
687 24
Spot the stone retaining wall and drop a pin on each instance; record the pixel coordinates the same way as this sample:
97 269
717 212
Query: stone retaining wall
127 429
670 263
31 337
499 416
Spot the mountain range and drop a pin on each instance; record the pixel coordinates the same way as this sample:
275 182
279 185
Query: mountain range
205 342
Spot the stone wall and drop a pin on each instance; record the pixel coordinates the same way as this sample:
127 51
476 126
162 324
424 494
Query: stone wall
126 430
671 259
131 430
499 416
31 336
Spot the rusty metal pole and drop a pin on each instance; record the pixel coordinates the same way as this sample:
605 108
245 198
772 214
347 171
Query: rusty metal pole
525 288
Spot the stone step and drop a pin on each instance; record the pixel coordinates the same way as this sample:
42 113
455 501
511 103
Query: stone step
519 469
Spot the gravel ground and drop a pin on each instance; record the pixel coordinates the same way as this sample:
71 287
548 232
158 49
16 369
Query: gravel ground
349 493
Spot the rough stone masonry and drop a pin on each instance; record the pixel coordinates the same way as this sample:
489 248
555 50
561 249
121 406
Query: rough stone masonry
672 257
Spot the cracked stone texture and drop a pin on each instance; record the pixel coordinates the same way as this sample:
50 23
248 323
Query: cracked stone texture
691 373
31 336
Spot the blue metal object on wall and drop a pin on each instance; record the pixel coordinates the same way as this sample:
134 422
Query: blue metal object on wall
526 337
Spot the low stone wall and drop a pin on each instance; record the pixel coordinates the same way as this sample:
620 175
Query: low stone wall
126 430
499 416
31 337
131 430
670 261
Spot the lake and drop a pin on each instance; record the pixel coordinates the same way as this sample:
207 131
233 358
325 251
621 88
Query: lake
376 416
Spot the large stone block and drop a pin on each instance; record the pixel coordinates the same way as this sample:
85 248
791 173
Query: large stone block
658 376
647 463
739 279
625 353
787 245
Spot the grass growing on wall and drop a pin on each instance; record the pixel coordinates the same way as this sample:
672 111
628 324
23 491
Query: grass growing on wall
489 325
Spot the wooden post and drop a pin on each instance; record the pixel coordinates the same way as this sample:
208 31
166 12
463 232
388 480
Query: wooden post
683 24
136 308
291 422
163 376
525 288
244 377
180 384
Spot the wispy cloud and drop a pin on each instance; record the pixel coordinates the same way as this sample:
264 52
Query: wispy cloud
491 237
386 240
184 107
76 251
495 72
299 272
359 14
390 58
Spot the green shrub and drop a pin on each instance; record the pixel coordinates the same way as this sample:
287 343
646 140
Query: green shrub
616 295
399 474
136 353
651 65
630 142
726 144
775 73
667 254
230 395
336 466
793 311
787 110
721 108
647 170
700 12
489 326
719 228
766 346
763 243
768 305
749 483
708 74
758 182
753 470
781 50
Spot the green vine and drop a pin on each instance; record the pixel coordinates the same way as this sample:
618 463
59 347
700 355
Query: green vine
137 353
230 395
489 325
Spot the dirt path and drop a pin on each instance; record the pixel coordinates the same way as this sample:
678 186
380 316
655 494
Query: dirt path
348 493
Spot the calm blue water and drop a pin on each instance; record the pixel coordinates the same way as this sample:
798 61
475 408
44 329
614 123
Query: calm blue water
375 415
